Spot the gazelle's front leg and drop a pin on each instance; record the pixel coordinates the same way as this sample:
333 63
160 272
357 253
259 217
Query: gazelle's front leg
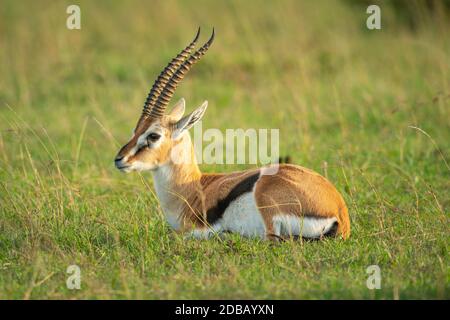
273 227
205 233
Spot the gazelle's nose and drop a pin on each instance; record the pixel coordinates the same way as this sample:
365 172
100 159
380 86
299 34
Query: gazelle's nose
119 163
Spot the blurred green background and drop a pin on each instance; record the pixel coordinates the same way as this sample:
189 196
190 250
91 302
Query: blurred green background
369 109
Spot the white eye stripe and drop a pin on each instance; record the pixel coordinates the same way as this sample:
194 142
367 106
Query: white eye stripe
142 139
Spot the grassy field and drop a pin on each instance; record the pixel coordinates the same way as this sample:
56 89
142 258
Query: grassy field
368 109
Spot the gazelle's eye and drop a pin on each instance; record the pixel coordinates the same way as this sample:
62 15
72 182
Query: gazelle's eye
153 137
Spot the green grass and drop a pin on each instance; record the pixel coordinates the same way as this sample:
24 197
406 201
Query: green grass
345 100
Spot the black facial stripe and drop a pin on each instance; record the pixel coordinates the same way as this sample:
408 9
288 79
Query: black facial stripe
143 147
246 185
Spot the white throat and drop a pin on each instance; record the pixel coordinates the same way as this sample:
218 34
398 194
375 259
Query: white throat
162 180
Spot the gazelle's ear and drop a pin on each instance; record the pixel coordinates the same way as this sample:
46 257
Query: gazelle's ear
177 111
188 121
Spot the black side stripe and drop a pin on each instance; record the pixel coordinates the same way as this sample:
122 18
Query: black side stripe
246 185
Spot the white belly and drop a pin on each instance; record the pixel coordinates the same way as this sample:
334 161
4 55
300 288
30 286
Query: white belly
242 216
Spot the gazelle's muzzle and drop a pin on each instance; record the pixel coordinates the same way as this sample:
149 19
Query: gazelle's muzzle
123 155
120 163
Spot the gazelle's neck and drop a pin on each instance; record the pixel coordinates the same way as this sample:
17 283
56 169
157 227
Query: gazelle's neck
177 183
181 168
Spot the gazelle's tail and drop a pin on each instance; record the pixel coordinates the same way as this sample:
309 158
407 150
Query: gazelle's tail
344 222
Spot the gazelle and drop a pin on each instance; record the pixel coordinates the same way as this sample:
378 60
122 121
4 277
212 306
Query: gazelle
291 201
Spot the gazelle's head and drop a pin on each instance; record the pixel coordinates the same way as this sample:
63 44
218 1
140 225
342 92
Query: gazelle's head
156 132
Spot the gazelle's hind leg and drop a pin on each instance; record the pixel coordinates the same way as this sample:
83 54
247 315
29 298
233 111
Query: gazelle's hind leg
285 220
287 226
299 202
306 227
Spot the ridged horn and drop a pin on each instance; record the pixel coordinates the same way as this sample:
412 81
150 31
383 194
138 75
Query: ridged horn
170 87
166 75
